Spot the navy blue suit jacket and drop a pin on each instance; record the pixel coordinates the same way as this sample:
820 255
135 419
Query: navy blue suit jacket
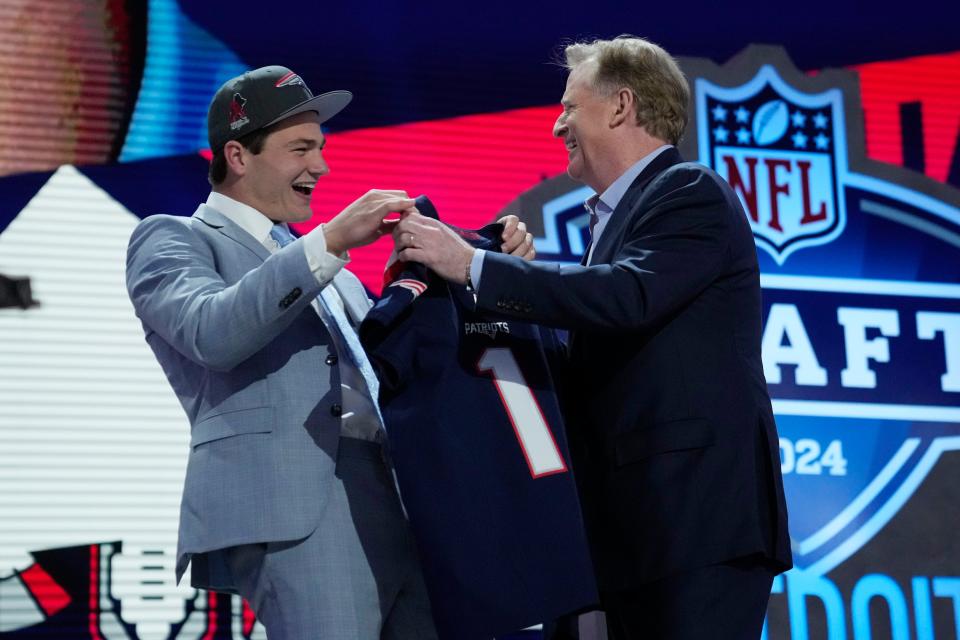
669 419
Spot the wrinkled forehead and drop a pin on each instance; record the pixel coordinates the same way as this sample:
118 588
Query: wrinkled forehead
302 125
581 77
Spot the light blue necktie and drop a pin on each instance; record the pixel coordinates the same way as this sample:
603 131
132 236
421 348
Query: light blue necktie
348 336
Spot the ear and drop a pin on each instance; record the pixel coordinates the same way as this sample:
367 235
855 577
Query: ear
235 155
625 103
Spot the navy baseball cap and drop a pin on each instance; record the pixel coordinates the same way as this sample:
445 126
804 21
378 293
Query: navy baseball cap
262 97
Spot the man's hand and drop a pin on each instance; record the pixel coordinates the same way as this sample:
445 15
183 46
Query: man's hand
433 244
363 221
516 240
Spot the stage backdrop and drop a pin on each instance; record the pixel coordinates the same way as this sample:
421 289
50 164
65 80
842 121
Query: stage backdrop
849 178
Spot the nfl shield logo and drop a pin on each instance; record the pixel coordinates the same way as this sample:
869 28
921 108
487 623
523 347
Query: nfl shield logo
783 153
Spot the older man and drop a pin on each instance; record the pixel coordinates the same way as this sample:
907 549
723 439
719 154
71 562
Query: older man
287 500
670 423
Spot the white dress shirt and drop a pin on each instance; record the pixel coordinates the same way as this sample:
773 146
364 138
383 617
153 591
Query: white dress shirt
359 418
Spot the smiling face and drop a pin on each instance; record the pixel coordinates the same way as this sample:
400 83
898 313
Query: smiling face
279 180
584 128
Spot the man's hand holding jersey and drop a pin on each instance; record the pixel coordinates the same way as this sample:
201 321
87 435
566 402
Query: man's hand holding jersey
364 220
516 240
433 244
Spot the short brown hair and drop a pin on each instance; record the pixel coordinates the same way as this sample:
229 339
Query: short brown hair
649 72
253 141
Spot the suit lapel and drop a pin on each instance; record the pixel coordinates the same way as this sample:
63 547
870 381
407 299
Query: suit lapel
621 215
618 219
213 218
351 292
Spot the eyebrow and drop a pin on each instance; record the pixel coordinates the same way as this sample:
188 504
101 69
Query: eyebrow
308 142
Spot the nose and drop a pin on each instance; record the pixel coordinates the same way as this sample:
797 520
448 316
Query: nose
560 126
318 167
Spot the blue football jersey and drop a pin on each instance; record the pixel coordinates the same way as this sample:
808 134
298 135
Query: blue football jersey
477 442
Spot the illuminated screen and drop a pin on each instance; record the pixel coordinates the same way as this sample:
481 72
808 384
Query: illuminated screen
69 74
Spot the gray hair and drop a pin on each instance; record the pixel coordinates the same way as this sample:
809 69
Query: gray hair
648 71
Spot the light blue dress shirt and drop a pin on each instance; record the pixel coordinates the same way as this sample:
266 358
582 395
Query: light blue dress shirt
602 206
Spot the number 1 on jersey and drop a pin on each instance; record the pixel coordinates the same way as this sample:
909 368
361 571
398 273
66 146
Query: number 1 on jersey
527 419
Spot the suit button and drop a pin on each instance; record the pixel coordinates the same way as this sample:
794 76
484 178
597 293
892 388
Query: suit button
331 360
290 298
336 410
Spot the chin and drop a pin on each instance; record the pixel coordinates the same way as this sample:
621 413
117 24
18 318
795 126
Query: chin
300 215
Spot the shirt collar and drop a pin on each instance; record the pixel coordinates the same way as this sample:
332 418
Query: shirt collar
607 201
243 215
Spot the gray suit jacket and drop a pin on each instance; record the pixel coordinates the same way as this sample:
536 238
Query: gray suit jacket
255 370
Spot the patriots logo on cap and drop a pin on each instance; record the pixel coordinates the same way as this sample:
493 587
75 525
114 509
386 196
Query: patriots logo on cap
290 79
238 115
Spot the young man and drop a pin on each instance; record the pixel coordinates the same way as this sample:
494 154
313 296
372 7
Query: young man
287 499
671 427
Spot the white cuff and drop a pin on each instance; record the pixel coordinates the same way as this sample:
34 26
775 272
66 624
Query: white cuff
322 263
476 268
